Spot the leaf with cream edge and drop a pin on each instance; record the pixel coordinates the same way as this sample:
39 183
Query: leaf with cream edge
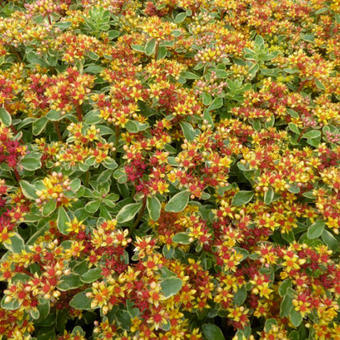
178 202
62 219
154 207
128 212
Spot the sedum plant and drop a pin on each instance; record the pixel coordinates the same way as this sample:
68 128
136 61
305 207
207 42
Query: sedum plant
169 169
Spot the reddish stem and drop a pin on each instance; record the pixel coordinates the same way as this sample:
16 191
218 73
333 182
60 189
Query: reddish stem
16 174
301 134
56 126
302 84
156 49
79 113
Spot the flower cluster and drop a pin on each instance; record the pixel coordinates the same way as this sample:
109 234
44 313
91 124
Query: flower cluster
169 169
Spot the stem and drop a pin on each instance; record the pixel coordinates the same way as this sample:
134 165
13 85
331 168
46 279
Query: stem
140 215
302 84
14 51
87 178
302 132
56 126
16 174
156 49
117 133
79 113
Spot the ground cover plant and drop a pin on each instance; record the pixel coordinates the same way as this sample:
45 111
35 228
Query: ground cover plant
169 169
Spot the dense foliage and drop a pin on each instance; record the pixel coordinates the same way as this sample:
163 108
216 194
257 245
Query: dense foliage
169 169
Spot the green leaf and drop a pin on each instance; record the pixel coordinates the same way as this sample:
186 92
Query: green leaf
110 164
330 240
63 25
21 277
182 238
28 190
124 319
212 332
54 115
178 202
319 85
294 128
91 55
314 142
69 282
286 305
221 74
284 286
44 308
166 273
128 212
269 324
134 127
92 117
295 317
288 236
293 113
15 244
190 75
12 305
309 194
138 48
253 70
316 229
39 125
312 134
207 117
206 98
34 58
307 37
269 196
150 47
49 207
216 104
94 69
113 34
171 286
294 189
91 275
92 206
5 117
322 10
180 17
112 197
78 331
270 123
31 162
168 252
242 197
62 219
80 267
81 301
291 71
109 203
240 296
188 131
162 52
75 184
104 176
259 41
154 207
